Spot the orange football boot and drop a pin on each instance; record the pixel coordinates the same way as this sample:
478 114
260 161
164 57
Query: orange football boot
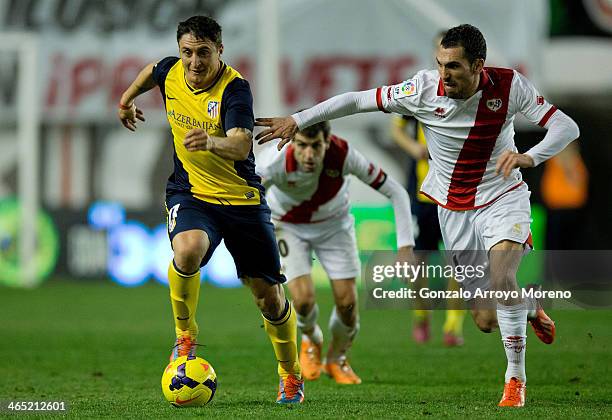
185 345
342 373
542 325
310 359
514 394
290 390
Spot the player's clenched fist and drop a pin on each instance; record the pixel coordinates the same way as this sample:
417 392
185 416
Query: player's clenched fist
197 139
510 160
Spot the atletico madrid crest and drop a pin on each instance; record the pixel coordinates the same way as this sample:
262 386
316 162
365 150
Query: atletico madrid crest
213 109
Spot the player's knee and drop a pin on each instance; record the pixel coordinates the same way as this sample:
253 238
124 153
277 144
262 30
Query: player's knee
188 259
303 304
504 280
188 253
347 309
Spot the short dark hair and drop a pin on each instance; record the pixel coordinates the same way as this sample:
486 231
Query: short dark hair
313 130
201 27
470 38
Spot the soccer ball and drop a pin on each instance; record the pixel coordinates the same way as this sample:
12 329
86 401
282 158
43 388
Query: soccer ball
189 381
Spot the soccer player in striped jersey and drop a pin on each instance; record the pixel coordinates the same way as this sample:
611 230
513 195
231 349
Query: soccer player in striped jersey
468 111
214 193
309 197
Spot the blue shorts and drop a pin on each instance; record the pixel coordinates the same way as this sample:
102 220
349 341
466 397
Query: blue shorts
247 231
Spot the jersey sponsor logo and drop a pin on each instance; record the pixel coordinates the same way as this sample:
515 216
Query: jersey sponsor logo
439 112
405 89
539 100
187 122
213 109
172 213
494 104
332 173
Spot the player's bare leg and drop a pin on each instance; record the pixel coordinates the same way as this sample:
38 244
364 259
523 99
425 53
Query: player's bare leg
343 325
184 281
280 324
303 295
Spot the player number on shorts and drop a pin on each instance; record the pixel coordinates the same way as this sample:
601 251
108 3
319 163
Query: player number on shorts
172 213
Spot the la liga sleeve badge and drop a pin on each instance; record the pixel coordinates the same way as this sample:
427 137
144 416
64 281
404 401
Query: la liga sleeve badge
405 89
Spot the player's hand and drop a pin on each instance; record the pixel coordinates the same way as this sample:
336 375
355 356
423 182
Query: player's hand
405 254
129 116
278 128
419 152
510 160
197 139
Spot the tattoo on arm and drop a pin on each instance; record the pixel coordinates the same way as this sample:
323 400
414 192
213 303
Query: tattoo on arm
240 130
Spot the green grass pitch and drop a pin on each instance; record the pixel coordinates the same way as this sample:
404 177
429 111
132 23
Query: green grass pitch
102 348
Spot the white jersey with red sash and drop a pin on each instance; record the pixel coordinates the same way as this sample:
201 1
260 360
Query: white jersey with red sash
465 137
310 197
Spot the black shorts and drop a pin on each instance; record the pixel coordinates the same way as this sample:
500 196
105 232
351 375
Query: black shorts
247 231
429 227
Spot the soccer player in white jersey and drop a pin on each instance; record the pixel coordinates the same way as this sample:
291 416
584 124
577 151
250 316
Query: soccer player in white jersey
467 111
309 198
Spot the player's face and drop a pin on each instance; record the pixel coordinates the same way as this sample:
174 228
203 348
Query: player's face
459 76
201 60
310 151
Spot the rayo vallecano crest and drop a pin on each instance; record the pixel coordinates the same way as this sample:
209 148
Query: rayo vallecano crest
494 104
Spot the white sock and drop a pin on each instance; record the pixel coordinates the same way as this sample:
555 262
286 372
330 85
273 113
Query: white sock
512 322
309 327
342 336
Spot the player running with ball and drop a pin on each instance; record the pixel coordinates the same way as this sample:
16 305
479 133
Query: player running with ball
467 111
214 193
309 197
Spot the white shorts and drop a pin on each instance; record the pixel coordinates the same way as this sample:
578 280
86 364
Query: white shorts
332 241
507 218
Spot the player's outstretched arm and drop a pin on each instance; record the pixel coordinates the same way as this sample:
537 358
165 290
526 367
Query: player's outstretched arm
335 107
400 200
374 176
128 112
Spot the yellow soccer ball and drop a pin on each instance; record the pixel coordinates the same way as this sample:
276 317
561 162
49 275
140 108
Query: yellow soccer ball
189 381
